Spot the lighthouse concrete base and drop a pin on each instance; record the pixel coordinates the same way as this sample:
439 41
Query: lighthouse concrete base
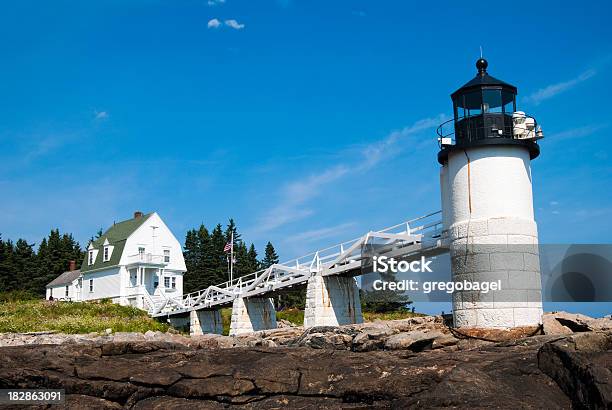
205 321
497 249
332 301
252 314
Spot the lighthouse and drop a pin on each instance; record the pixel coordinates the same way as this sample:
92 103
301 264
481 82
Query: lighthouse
487 204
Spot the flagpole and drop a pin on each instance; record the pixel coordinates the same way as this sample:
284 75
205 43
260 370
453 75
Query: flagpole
232 259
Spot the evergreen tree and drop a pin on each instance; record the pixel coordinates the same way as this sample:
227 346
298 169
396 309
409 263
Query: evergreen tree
24 264
191 278
253 262
231 227
54 255
218 272
270 257
7 271
288 299
241 255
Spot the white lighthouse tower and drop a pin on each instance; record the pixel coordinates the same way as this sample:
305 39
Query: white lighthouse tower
487 204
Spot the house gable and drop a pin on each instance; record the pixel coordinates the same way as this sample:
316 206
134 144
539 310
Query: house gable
156 238
114 237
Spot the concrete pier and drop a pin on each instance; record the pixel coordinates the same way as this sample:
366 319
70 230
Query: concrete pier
205 321
332 301
252 314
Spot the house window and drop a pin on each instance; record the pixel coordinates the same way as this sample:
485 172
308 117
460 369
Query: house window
167 256
91 258
141 250
167 282
91 285
106 254
174 282
66 291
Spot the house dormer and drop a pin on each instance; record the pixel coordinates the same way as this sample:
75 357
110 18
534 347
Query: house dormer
107 251
92 254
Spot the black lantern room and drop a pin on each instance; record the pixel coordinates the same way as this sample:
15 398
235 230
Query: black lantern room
483 115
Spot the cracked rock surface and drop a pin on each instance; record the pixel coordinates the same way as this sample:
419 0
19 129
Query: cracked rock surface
162 375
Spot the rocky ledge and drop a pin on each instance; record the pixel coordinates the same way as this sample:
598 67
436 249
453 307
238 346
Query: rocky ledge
398 364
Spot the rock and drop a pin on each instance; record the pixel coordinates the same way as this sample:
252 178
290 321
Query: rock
581 365
212 341
326 337
552 326
415 341
444 340
601 324
283 323
371 339
567 323
155 374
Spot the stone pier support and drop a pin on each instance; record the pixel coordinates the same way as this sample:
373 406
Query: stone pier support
205 321
252 314
332 301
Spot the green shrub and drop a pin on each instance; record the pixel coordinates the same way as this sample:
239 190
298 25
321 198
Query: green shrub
17 295
73 317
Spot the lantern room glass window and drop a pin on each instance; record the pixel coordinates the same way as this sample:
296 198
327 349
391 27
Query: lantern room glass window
491 101
509 101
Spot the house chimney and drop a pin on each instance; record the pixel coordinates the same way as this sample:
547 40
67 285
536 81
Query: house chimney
72 266
138 214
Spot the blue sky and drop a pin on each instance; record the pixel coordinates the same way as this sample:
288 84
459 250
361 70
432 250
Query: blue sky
309 122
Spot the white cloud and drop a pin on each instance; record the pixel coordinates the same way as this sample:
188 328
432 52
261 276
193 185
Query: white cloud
214 23
387 147
100 115
555 89
316 234
215 2
578 132
234 24
294 197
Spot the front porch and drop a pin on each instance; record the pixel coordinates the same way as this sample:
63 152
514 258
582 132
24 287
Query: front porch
147 284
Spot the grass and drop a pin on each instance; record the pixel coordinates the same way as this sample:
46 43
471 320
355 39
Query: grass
295 316
20 316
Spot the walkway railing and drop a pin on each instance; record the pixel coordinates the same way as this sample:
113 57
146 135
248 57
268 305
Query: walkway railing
402 240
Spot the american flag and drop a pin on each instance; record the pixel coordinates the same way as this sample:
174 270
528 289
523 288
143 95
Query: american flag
228 247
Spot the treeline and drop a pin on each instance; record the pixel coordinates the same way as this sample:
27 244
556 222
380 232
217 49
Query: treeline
208 263
22 268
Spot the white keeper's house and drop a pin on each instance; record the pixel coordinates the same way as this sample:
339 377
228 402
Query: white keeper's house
136 262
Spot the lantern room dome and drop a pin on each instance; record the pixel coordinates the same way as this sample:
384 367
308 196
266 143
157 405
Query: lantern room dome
483 80
484 113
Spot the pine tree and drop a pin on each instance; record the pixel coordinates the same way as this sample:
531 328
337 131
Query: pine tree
190 253
252 260
53 258
25 264
231 227
7 266
218 272
270 257
289 299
